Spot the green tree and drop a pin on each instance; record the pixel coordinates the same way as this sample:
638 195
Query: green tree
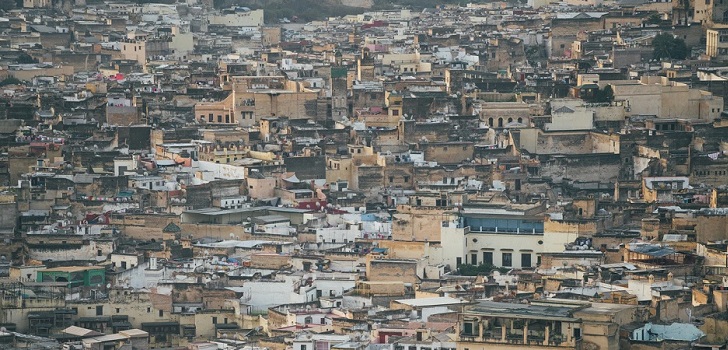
665 45
604 95
654 19
24 58
10 81
7 5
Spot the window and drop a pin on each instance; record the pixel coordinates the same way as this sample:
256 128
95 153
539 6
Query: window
100 310
507 260
161 313
406 179
395 112
458 261
488 258
303 346
149 309
391 179
214 320
474 259
525 259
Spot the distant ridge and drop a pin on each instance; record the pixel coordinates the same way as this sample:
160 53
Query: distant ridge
308 10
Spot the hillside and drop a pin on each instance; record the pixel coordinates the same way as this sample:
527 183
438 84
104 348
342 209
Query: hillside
307 10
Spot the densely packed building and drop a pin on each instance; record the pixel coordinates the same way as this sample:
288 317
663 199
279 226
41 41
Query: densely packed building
466 177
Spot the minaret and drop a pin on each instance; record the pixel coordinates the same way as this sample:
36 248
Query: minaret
339 89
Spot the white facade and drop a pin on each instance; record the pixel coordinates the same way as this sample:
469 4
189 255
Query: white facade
252 18
502 249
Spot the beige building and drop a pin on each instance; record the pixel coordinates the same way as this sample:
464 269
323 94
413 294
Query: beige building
659 96
250 100
661 189
574 114
500 114
572 142
216 113
28 72
36 3
419 223
347 167
252 18
716 41
544 324
134 50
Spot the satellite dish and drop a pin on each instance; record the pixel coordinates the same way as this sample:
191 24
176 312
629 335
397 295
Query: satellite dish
108 285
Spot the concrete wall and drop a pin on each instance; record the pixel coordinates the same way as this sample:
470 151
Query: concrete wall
564 32
665 99
384 270
447 153
602 168
77 252
711 228
122 115
418 223
559 233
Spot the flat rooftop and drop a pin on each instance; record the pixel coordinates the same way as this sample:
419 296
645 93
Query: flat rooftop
557 312
425 302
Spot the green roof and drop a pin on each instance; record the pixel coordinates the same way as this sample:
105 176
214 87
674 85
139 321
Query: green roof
338 72
171 228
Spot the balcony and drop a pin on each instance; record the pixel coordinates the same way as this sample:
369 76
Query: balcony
523 332
506 230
